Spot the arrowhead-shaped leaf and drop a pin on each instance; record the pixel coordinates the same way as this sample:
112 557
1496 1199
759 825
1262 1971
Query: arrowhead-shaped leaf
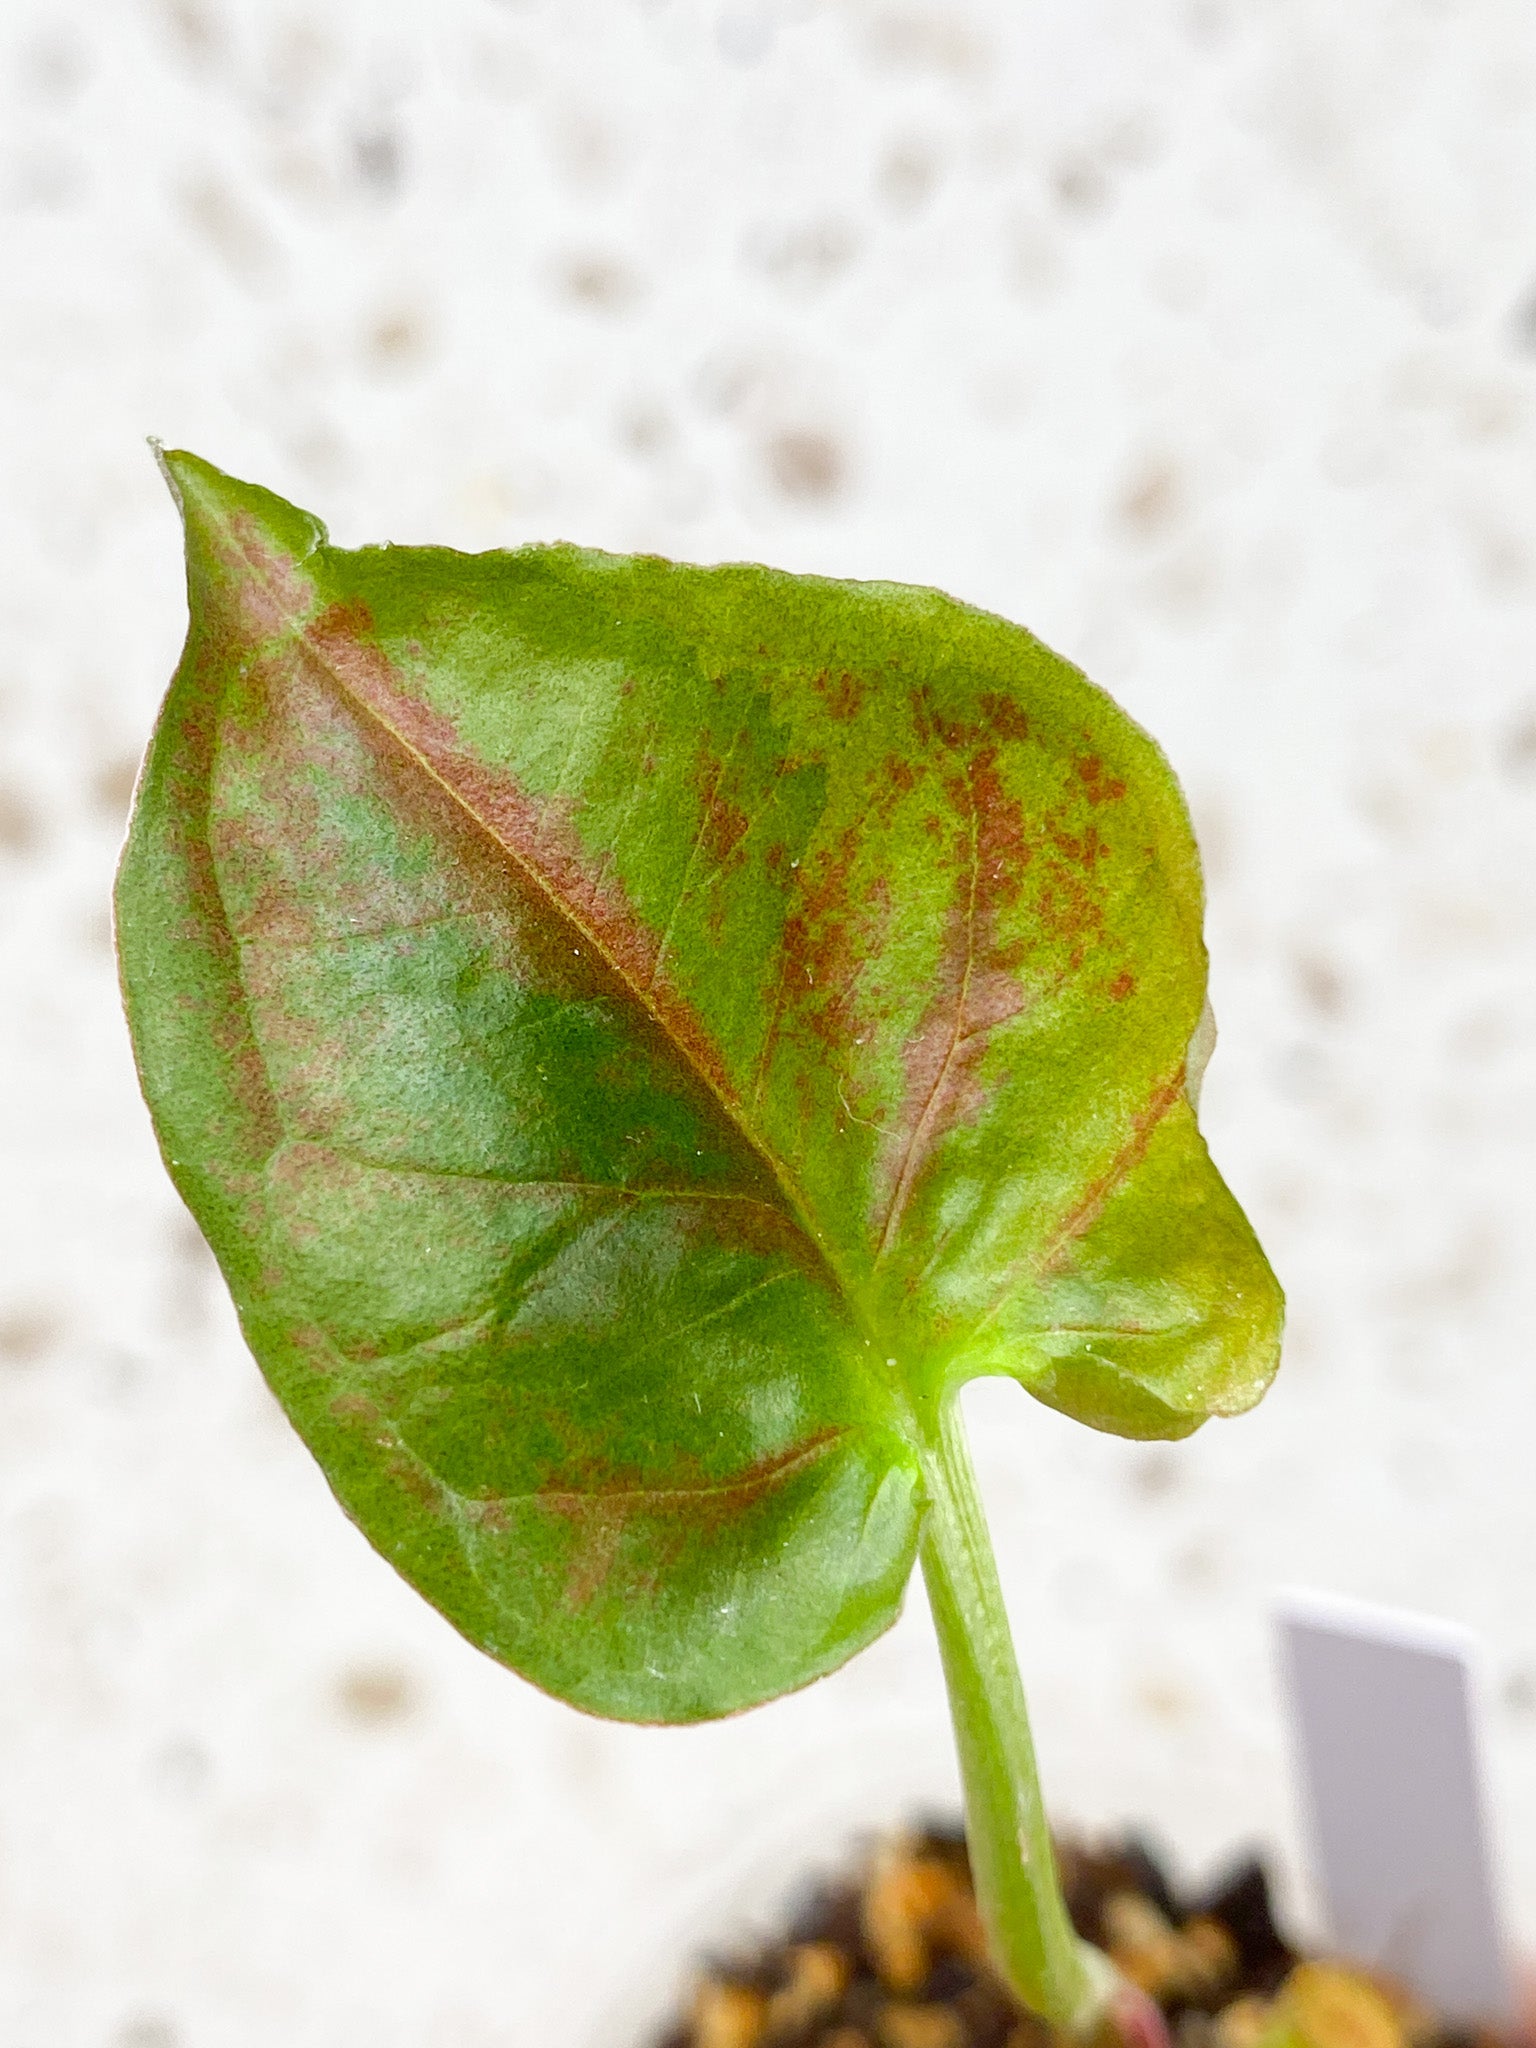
634 1035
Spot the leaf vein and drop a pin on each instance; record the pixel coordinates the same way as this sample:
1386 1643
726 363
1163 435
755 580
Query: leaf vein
760 1480
535 1183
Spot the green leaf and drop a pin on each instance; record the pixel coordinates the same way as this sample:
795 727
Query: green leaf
635 1037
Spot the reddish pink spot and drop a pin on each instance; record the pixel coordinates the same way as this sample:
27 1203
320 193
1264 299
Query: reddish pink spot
311 1341
1084 849
830 936
723 824
355 1407
1005 718
892 780
1002 847
931 725
1101 788
841 694
819 957
1123 985
269 591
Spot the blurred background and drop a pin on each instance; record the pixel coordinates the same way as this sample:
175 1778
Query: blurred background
1199 335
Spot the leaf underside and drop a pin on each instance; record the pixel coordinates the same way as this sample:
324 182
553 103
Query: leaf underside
635 1036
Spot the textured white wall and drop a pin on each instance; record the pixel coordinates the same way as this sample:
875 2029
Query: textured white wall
1197 334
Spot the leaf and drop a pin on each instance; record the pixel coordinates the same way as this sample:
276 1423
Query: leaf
635 1036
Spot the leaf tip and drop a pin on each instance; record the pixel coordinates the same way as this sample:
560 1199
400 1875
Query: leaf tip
215 506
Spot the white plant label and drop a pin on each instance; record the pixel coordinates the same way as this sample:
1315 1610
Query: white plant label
1382 1711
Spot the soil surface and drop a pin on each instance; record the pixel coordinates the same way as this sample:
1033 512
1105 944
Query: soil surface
894 1957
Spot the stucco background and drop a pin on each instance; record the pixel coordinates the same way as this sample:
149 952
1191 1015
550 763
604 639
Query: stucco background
1198 334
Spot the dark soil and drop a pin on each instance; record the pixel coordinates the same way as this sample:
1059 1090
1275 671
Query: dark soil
894 1957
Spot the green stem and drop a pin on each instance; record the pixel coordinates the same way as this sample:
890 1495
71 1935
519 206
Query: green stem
1014 1868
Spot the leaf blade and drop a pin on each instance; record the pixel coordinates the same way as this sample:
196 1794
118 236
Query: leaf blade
632 1035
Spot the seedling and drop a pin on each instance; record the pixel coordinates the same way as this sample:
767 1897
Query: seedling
638 1039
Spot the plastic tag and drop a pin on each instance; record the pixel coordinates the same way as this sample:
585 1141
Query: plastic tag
1381 1706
